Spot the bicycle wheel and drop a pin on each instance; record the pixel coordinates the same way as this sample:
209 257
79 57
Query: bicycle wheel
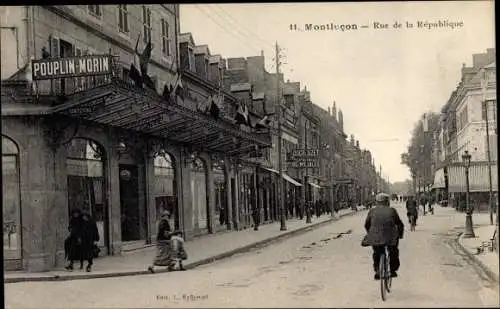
382 272
388 278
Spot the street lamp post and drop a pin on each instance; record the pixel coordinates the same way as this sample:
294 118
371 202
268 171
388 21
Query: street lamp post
469 229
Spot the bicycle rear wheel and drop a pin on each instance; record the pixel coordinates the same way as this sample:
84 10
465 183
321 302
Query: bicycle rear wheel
388 277
382 272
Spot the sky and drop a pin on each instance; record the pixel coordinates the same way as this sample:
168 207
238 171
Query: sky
383 80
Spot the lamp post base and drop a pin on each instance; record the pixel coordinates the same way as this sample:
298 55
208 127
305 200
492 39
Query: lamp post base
469 230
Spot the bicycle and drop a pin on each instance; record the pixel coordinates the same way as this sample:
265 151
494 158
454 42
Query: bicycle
385 274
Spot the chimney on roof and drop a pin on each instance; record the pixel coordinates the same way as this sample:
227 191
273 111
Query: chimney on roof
329 111
261 53
357 144
334 111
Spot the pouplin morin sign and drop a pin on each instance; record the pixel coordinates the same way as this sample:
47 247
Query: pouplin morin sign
91 65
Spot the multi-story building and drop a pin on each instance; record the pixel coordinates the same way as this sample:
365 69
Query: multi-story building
262 93
83 128
464 128
309 138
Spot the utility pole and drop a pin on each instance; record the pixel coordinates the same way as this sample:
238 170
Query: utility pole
280 142
484 88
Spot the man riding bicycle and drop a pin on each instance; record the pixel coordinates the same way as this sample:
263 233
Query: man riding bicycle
384 228
412 209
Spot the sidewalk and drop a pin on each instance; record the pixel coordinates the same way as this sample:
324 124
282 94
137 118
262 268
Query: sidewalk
488 261
202 250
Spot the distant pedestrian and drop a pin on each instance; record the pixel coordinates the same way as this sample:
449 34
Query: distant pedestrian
256 218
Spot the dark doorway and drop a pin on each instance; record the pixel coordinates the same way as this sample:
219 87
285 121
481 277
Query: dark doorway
129 201
233 202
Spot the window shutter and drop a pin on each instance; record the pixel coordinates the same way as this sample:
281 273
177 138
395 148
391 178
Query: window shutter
79 80
125 18
55 47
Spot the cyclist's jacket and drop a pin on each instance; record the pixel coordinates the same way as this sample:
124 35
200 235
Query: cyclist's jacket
384 227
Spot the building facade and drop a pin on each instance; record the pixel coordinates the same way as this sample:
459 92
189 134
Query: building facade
123 150
463 127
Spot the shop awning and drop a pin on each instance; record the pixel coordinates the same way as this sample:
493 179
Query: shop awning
120 104
478 178
285 176
291 180
315 185
439 179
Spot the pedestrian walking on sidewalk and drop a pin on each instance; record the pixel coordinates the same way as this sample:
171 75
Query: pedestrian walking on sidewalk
73 243
256 218
90 237
169 246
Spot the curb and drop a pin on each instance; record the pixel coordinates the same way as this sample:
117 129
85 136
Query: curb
472 258
259 244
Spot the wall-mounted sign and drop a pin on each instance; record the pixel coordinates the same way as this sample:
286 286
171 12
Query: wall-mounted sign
304 164
305 153
91 65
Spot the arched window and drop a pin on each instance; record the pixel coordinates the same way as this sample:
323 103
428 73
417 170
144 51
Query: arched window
199 196
165 187
85 170
11 200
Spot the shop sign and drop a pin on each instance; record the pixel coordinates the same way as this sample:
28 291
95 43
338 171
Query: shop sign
87 109
91 65
304 164
305 153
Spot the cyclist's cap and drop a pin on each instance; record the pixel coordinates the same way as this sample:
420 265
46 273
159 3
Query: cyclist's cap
382 197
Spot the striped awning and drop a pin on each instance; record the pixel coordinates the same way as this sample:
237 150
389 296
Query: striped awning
439 179
478 178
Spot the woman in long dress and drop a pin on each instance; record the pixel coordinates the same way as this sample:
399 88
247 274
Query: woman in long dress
169 246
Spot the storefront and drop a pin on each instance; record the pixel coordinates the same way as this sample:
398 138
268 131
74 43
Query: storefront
124 153
478 184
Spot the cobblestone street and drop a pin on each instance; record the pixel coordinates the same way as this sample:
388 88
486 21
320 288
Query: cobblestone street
326 267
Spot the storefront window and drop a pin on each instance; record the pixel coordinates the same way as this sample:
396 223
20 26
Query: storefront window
11 200
85 169
220 196
199 196
165 188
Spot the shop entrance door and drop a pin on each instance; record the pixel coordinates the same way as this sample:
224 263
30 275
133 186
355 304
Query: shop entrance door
133 220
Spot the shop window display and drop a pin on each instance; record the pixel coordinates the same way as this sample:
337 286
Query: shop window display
11 203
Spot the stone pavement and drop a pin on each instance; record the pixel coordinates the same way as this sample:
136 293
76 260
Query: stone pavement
201 250
488 261
311 270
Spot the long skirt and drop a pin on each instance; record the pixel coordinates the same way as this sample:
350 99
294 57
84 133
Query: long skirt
164 254
73 250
